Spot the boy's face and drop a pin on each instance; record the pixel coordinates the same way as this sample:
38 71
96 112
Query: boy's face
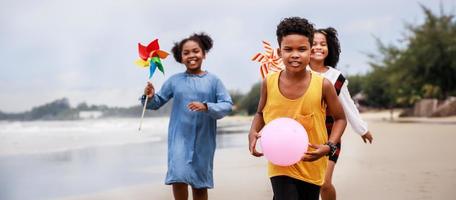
192 55
295 52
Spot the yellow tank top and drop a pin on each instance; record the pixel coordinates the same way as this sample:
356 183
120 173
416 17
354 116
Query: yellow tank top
310 112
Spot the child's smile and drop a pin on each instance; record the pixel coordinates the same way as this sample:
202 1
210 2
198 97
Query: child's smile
295 63
319 47
295 52
192 56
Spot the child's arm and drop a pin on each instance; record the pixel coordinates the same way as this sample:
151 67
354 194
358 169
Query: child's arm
352 114
336 110
258 121
155 101
223 105
330 98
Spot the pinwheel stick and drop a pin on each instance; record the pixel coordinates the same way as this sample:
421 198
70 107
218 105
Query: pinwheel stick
142 115
150 57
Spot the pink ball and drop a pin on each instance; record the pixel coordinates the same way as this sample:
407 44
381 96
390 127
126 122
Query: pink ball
284 141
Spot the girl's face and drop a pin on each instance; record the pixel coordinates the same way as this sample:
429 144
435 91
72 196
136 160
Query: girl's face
319 47
295 52
192 55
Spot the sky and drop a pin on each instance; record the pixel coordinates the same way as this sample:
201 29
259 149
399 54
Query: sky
85 50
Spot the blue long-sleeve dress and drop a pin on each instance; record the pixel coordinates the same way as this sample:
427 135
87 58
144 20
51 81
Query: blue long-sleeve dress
191 134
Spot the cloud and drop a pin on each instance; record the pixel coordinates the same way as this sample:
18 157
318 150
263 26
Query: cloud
85 49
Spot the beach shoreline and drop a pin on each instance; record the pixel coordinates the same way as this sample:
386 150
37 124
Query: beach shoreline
409 159
406 161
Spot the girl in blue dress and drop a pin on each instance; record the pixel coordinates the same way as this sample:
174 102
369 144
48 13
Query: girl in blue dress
199 100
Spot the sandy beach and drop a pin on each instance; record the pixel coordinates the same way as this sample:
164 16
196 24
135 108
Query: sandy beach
409 159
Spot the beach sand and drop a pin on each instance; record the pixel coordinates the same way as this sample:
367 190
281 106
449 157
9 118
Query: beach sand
406 161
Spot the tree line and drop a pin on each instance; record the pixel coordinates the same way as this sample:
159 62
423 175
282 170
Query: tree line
421 65
60 109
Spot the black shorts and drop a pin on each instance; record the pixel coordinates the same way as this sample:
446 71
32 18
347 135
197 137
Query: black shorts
287 188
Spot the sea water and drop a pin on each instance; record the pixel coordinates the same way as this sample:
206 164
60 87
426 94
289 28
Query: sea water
52 159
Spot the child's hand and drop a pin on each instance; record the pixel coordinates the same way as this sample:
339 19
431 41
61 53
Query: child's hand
197 106
253 138
367 137
149 91
320 151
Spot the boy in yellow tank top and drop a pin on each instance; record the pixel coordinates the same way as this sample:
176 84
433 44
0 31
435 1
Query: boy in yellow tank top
303 96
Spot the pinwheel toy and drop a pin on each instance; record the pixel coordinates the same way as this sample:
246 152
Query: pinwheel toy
150 57
270 61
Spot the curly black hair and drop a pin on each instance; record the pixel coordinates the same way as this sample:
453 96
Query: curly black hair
204 41
333 46
295 25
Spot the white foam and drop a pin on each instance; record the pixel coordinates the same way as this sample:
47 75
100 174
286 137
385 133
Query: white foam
49 136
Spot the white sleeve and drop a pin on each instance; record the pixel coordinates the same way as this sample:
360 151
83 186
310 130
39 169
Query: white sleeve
351 111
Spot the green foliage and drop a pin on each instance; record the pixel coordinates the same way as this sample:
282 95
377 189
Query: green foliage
431 91
377 88
57 109
60 110
250 101
236 97
425 66
82 106
355 84
430 54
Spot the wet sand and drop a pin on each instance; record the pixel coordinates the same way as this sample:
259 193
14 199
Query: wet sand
409 159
